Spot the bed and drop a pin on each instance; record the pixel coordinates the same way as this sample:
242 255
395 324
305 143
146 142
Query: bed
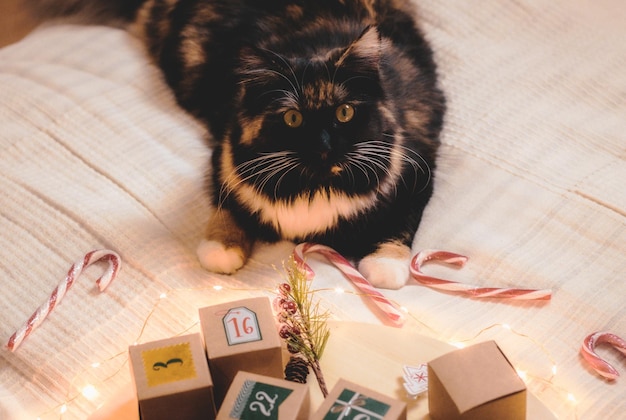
95 154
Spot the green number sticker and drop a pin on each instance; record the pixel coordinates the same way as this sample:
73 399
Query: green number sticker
257 400
352 405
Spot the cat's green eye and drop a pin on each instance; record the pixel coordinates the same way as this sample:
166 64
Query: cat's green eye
293 118
344 113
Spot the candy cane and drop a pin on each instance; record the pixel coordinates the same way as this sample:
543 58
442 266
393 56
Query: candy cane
426 256
59 292
389 309
597 363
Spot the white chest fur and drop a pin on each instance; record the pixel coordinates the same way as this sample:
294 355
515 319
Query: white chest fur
304 215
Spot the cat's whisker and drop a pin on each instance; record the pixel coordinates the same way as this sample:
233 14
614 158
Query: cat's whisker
356 77
372 158
263 75
417 166
384 170
247 170
270 172
255 171
374 150
261 170
308 64
289 94
328 71
291 167
406 154
363 166
293 74
347 168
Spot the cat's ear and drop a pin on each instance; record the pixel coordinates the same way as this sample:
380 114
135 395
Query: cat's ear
358 67
366 50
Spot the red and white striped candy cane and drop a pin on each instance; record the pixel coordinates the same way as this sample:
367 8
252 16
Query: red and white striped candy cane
389 309
426 256
597 363
59 292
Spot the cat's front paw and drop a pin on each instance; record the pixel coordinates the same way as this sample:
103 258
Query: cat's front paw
388 267
216 257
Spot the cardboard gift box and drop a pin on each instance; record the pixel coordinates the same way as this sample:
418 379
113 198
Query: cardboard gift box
348 400
253 396
241 335
172 379
477 382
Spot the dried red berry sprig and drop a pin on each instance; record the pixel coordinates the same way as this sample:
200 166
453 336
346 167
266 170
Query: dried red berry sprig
302 325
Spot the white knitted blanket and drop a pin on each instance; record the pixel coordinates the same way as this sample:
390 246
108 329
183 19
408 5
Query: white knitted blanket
531 186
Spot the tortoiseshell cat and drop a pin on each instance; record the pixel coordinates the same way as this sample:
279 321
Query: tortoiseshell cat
324 114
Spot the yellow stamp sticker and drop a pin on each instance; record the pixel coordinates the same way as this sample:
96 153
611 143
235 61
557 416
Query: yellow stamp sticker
168 364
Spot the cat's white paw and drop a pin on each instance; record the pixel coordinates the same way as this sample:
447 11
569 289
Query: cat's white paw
215 257
385 272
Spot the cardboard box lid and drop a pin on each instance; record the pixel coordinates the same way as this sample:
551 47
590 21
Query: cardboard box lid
346 400
477 374
257 396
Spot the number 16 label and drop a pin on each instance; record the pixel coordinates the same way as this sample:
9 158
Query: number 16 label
241 326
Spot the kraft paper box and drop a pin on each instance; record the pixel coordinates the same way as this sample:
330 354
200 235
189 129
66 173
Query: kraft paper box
348 400
476 382
172 379
241 335
253 396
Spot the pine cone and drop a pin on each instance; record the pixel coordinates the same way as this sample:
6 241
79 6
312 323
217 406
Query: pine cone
297 370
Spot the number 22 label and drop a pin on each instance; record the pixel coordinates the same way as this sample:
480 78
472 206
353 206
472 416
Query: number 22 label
259 401
264 403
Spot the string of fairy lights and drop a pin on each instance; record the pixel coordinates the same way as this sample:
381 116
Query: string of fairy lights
79 388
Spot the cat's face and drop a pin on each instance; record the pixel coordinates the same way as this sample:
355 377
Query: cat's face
316 124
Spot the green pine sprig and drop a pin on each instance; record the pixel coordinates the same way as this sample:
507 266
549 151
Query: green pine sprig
303 322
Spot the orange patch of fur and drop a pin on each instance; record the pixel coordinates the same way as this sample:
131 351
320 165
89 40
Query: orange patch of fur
223 228
393 249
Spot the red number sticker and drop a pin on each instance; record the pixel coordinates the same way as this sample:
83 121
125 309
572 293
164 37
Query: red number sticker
241 326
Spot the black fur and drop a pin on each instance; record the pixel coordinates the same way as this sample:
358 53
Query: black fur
240 65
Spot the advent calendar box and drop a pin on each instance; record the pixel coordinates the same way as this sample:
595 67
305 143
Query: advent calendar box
348 400
241 335
473 383
172 379
253 396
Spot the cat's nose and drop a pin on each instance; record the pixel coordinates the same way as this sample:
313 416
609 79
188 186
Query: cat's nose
325 144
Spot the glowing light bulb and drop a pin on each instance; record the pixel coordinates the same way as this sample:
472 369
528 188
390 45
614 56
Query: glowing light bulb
90 392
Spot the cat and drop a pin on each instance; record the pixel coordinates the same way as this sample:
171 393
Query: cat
324 118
